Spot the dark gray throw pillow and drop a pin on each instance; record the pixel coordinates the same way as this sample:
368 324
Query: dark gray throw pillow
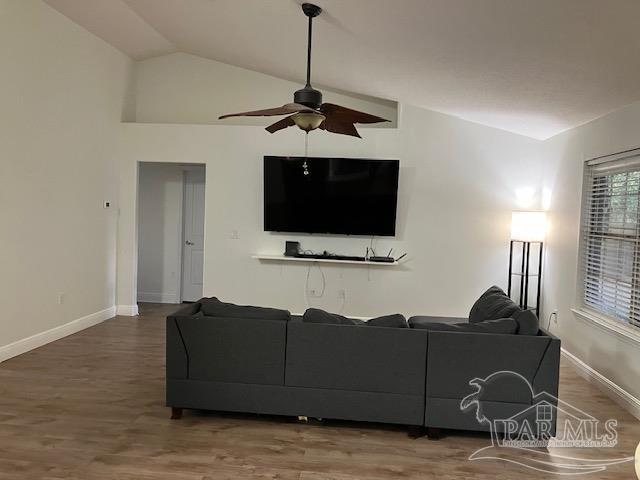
396 320
315 315
528 323
493 304
501 325
212 307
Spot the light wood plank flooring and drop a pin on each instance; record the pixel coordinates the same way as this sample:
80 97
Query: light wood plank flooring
91 406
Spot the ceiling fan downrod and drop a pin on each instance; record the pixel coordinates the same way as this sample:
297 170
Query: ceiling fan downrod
309 96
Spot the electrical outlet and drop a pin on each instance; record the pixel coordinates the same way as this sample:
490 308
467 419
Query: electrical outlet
106 204
61 298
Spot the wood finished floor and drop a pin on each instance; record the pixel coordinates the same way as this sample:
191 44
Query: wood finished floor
90 406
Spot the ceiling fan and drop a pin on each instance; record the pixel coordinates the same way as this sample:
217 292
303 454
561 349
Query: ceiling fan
307 110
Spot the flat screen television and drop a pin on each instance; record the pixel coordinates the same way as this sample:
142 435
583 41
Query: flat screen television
351 196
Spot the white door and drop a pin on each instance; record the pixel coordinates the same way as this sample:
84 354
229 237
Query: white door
193 235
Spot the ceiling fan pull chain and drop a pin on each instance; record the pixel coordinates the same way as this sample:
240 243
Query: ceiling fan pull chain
305 167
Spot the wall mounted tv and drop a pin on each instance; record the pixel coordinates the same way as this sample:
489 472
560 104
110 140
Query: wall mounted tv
349 196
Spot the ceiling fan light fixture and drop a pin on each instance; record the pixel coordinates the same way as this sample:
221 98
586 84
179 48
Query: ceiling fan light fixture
308 121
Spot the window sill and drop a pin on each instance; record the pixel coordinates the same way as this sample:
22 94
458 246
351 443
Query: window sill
625 332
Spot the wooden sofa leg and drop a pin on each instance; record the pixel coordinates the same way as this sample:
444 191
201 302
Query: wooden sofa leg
415 431
434 433
176 413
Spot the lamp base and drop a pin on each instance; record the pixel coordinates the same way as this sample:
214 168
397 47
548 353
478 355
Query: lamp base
525 274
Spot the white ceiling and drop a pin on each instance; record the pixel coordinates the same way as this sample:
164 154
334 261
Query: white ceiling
535 67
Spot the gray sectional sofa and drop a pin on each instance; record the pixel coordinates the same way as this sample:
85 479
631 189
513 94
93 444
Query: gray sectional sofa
249 359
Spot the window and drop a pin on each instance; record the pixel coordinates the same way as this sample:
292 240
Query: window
610 237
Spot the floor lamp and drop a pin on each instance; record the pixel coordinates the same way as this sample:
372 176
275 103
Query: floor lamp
527 229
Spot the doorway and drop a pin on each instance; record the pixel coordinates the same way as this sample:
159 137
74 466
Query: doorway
171 209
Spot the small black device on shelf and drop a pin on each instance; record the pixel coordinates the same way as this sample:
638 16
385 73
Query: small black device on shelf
291 249
329 256
372 257
382 259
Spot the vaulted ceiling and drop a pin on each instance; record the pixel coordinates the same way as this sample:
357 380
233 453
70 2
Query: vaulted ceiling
534 67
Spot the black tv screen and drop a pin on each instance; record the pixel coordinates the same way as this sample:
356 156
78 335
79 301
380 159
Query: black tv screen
350 196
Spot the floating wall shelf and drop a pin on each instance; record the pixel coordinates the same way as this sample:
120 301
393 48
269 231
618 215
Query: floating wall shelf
282 258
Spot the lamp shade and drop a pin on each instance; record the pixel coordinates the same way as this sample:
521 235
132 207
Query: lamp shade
528 226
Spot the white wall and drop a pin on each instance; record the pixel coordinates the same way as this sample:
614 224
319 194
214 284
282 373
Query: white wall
457 184
613 356
183 88
61 91
159 232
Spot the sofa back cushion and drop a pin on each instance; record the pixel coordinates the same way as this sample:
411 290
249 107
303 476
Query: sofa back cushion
393 321
356 358
528 323
491 305
501 325
212 307
315 315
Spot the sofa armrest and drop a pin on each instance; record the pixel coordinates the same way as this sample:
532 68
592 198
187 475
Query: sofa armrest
235 350
186 310
177 357
547 377
177 360
456 358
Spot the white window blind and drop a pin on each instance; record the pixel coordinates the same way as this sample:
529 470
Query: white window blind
610 246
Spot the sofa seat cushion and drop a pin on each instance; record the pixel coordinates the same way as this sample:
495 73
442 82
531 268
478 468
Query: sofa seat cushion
491 305
502 325
393 321
315 315
212 307
528 323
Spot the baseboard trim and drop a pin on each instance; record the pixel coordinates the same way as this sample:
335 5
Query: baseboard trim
39 339
158 297
613 390
127 310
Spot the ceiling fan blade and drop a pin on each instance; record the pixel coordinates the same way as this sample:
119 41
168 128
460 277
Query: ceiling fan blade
344 114
280 124
287 109
340 127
